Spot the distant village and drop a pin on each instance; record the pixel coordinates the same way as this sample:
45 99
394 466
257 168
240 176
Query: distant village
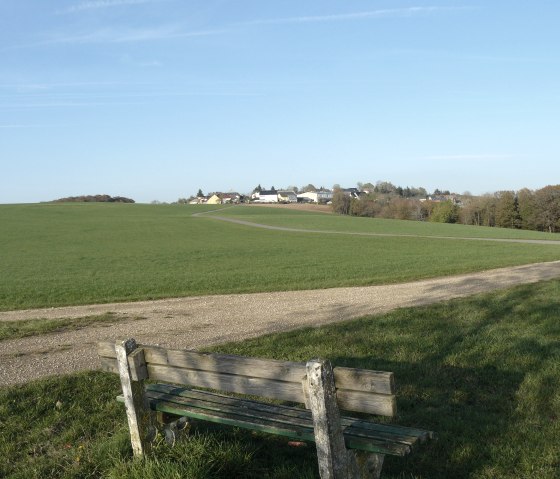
310 194
523 209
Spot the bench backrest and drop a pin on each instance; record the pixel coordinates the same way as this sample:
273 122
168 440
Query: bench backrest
359 390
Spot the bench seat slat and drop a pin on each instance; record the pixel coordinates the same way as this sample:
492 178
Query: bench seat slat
255 421
281 420
232 411
406 435
252 422
230 400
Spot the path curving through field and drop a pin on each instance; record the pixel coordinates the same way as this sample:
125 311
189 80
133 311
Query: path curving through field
355 233
195 322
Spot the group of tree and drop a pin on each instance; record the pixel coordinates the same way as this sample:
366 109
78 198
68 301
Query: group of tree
94 199
295 189
525 209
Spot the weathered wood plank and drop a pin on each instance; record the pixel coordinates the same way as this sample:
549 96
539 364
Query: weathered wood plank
139 415
212 397
273 426
246 366
364 435
246 411
331 449
404 434
241 409
369 403
380 382
347 400
230 418
228 382
137 365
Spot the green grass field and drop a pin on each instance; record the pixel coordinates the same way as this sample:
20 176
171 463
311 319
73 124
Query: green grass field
482 372
64 254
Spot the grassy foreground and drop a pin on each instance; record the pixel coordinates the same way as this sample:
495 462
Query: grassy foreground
65 254
483 372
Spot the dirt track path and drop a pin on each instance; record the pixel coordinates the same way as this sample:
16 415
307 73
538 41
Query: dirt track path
201 321
356 233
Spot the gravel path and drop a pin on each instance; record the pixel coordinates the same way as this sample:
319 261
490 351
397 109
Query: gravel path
201 321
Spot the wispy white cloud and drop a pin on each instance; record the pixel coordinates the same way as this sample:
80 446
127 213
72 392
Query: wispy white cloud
38 87
137 35
99 4
123 35
469 157
22 126
380 13
67 104
164 32
114 98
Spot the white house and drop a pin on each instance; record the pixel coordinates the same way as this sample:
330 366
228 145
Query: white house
268 196
319 196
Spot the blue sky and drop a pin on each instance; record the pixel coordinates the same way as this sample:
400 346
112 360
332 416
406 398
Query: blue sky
154 99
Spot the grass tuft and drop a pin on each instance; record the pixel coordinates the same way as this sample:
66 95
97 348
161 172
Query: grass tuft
33 327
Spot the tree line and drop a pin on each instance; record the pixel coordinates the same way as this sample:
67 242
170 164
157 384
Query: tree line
524 209
94 199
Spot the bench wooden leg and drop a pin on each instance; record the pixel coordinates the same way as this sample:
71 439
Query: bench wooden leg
368 465
132 371
334 460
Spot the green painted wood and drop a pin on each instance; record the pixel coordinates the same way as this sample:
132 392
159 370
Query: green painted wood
286 421
242 413
271 426
359 427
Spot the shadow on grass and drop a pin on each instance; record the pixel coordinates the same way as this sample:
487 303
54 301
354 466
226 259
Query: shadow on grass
481 372
465 407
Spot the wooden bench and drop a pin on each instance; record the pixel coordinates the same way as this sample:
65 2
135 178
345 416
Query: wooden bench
347 447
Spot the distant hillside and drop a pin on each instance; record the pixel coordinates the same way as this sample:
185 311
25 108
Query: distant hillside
95 199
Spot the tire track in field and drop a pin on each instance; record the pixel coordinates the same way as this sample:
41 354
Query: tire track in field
355 233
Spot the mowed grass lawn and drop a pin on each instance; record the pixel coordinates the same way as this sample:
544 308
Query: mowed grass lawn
63 254
482 372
